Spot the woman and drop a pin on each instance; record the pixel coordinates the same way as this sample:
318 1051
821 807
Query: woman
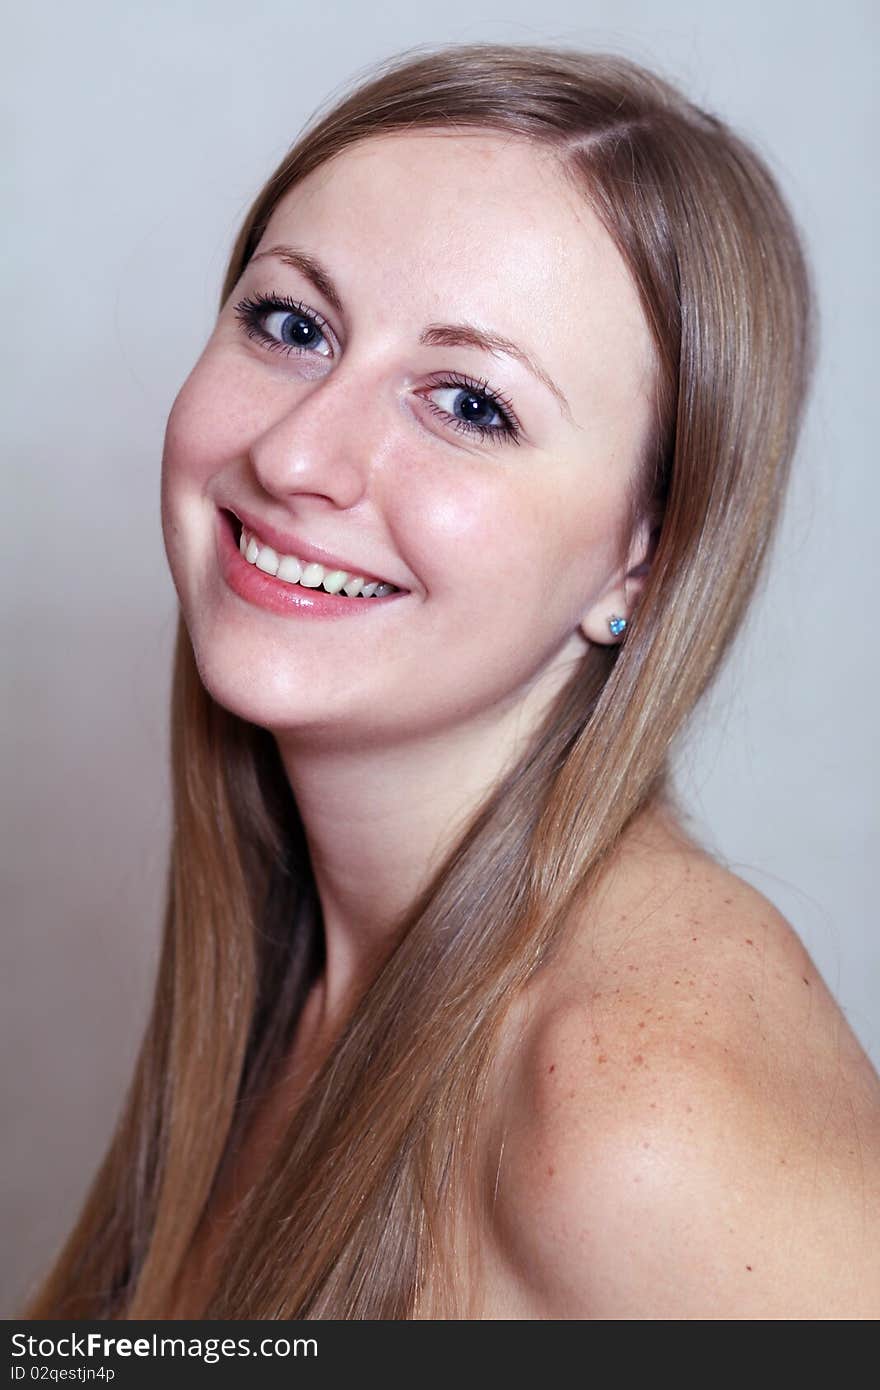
464 502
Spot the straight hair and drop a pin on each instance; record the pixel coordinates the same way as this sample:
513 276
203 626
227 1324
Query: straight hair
354 1217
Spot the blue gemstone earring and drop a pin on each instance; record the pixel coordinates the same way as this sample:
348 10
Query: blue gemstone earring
617 625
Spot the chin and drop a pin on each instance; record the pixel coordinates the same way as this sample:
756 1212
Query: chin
255 691
282 697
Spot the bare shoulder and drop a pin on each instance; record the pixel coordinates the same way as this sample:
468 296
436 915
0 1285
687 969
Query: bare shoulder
689 1128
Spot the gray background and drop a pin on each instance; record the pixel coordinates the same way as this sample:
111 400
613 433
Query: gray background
136 136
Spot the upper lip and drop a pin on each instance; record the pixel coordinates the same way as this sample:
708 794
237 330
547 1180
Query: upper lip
285 543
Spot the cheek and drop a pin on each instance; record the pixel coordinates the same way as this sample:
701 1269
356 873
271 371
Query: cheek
537 535
544 545
585 539
467 535
507 569
196 436
197 433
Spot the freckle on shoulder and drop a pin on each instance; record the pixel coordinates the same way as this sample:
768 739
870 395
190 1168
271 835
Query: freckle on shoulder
678 969
666 917
712 1067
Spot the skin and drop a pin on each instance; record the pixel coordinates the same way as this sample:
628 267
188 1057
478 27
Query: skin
515 555
681 1124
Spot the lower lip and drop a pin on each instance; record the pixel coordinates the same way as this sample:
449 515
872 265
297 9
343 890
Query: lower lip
291 600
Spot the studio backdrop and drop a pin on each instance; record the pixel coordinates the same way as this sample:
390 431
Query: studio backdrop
135 138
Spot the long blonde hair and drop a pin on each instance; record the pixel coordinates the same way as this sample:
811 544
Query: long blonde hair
352 1218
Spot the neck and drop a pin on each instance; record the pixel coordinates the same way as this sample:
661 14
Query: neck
379 821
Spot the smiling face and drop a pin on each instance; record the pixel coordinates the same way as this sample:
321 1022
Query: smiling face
332 414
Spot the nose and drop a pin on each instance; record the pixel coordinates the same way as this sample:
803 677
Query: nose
316 441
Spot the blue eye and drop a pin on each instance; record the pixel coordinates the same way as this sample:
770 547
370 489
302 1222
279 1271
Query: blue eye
475 398
282 324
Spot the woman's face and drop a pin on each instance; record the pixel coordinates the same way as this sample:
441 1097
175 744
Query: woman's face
336 411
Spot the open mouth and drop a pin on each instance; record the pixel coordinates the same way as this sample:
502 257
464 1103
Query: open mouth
291 570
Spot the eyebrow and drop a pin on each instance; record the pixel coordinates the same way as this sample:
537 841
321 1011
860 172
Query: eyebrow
435 335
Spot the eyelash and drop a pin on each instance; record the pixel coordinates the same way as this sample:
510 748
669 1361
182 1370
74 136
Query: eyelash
250 313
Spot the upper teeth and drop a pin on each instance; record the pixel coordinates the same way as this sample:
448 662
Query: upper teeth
313 576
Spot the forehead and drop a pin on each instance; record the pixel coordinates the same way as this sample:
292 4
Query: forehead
481 226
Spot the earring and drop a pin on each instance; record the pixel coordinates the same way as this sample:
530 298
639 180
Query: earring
617 625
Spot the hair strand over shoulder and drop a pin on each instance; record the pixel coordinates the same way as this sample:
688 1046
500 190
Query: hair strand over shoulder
353 1219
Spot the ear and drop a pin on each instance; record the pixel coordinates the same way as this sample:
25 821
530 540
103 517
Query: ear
620 598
